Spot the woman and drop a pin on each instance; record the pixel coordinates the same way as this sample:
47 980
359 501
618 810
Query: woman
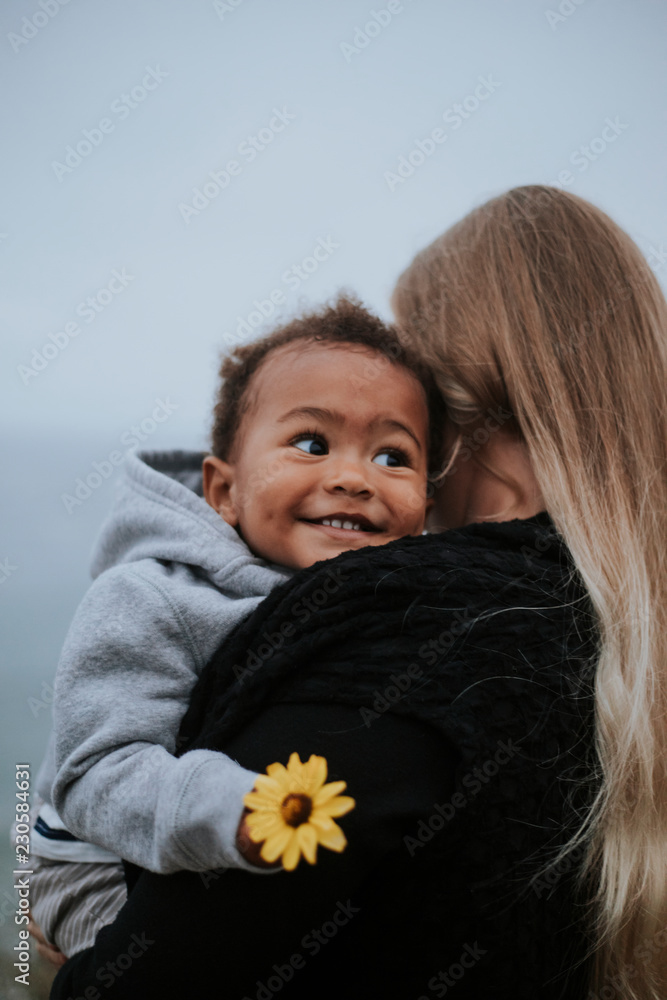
544 306
493 695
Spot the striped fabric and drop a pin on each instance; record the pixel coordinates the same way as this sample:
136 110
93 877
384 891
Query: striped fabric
71 901
51 839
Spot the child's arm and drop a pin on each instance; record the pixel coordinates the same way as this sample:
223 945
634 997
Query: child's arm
129 663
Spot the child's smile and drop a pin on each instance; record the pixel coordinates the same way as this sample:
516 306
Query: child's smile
331 455
342 521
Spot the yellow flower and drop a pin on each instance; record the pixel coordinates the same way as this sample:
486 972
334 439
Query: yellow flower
292 811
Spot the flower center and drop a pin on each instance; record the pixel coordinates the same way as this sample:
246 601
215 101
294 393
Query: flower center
296 808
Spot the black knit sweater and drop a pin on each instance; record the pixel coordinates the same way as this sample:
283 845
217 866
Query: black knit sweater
485 638
491 634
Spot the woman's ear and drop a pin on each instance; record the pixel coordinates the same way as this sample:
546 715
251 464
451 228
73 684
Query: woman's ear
218 488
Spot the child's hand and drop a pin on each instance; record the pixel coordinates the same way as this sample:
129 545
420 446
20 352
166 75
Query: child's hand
46 950
248 848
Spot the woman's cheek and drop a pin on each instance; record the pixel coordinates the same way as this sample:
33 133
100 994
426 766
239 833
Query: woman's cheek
413 510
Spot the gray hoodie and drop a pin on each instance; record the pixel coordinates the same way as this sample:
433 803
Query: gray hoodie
171 580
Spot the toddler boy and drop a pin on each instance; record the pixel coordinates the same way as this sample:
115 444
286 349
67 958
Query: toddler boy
323 436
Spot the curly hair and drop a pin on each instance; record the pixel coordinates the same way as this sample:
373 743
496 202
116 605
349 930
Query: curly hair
344 322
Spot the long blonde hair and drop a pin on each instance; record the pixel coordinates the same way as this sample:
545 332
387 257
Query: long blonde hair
538 303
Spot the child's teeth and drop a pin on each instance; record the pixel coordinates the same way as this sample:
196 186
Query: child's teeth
336 523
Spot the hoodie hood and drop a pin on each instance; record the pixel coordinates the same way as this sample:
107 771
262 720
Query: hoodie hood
160 513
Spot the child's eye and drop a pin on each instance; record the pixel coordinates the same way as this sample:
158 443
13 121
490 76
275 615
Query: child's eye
313 444
392 457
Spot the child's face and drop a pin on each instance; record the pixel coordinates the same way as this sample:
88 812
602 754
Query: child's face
334 434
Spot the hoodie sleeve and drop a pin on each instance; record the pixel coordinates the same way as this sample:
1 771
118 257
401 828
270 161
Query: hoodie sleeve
130 660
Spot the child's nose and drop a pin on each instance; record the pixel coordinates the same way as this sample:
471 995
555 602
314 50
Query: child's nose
348 476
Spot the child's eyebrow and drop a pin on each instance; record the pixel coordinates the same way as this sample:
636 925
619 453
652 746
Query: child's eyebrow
317 413
311 411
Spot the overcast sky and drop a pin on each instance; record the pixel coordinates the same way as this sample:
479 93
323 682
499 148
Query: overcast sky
345 105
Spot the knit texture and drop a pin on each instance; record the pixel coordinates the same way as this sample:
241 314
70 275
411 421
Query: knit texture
487 634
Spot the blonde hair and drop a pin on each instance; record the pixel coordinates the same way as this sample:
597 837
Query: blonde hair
538 303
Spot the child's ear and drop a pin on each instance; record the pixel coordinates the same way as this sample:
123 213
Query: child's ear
218 484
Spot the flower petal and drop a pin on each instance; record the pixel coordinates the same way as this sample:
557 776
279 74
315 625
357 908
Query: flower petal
307 838
338 806
296 781
294 762
275 845
260 800
315 773
333 838
328 792
276 770
291 854
321 822
260 827
271 787
296 785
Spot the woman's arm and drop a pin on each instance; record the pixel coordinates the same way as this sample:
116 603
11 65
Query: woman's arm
191 934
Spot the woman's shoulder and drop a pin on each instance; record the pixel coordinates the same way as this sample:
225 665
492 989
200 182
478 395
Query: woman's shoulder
512 564
523 550
482 603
